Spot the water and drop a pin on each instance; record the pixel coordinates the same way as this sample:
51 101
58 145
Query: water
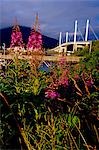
44 67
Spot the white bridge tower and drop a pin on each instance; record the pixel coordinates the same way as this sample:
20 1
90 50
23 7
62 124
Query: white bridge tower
86 33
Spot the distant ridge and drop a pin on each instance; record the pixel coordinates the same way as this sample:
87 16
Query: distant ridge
48 42
5 37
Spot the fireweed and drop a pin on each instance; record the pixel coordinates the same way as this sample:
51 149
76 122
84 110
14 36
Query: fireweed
51 94
16 37
56 110
34 41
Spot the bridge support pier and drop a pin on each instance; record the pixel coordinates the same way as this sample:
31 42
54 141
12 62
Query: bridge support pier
74 47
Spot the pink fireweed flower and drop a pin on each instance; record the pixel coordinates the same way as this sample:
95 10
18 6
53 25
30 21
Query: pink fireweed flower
51 94
88 79
16 39
35 41
65 73
62 61
64 81
76 77
89 82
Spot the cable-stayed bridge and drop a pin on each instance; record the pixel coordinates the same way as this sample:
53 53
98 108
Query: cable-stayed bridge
72 46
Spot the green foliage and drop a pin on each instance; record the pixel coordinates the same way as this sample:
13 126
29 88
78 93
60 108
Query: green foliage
54 132
92 59
20 78
82 52
72 120
31 120
95 45
86 50
90 64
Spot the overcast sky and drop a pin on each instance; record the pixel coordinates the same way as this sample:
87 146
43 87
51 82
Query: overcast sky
54 15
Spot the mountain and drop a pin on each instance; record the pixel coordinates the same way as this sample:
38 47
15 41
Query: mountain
5 35
48 42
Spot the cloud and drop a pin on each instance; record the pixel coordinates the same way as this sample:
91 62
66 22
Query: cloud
54 16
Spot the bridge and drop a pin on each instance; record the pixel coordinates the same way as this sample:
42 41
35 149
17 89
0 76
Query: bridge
69 47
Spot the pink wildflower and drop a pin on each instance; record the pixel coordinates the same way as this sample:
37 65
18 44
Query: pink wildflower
64 81
51 94
35 41
76 77
89 82
16 37
62 61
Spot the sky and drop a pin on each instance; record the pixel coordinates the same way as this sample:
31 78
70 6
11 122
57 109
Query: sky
54 15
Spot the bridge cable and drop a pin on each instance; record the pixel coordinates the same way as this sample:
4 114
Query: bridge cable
69 38
94 33
81 34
